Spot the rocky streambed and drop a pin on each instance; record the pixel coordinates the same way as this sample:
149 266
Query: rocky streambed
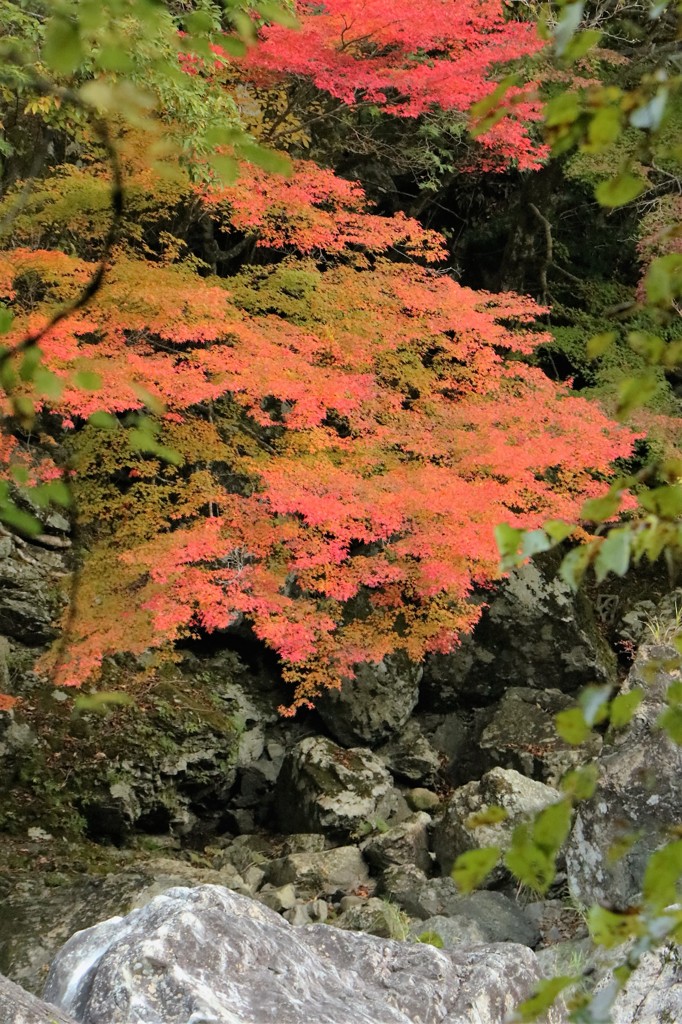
264 869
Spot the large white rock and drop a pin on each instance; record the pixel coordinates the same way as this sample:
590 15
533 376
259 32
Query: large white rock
501 787
194 956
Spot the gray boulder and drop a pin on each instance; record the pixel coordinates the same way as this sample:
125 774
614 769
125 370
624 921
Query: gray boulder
208 955
326 873
324 788
522 735
29 590
535 632
638 797
375 917
410 757
406 843
18 1007
479 917
520 797
489 914
373 706
653 993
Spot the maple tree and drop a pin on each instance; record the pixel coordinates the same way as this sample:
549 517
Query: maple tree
407 60
322 444
329 456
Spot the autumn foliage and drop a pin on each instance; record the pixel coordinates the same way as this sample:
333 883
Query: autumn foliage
338 428
407 59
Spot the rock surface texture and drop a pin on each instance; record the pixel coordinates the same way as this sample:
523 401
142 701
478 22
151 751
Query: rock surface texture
639 793
535 632
324 788
18 1007
375 705
206 954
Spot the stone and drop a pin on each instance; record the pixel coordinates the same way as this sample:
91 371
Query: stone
373 706
495 916
19 1007
298 915
340 870
406 843
502 787
522 735
401 883
324 788
410 757
490 914
534 632
450 931
206 954
653 993
454 736
278 899
29 593
420 799
37 917
638 796
556 921
375 917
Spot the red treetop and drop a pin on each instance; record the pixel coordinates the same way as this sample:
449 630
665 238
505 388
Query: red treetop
406 58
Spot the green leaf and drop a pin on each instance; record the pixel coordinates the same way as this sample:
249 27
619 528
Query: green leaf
599 509
63 50
57 491
634 392
671 722
268 159
567 26
624 706
30 363
508 540
563 109
6 319
528 862
647 345
613 554
604 127
619 191
543 998
574 565
611 929
663 876
431 939
534 541
582 44
492 815
558 530
101 701
663 280
113 57
19 520
594 701
472 867
225 167
552 825
581 783
600 343
23 409
104 420
571 726
88 380
48 384
142 441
